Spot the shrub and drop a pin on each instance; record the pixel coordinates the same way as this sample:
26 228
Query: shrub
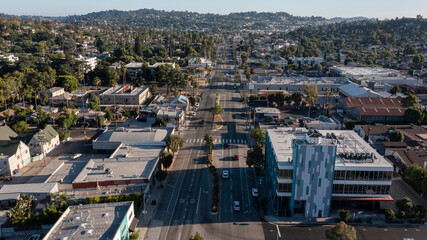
389 214
344 215
400 214
134 236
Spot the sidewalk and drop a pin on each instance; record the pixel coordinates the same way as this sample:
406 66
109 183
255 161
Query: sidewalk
144 220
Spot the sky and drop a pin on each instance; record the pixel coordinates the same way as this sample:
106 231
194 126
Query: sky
326 8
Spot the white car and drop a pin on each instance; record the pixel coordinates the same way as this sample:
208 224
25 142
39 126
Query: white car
75 156
255 192
193 113
225 174
236 206
197 104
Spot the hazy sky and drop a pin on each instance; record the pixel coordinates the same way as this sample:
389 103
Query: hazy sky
326 8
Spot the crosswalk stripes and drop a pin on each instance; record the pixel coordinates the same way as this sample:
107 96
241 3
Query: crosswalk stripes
216 140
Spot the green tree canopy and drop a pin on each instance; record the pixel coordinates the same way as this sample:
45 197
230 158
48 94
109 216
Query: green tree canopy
395 89
404 204
410 100
255 157
311 96
174 143
341 231
414 115
396 136
69 83
216 110
258 136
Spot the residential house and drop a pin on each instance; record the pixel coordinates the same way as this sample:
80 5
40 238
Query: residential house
172 116
56 95
198 62
90 62
125 95
14 155
44 141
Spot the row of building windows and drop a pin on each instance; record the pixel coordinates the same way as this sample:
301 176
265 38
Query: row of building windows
285 187
361 189
363 175
285 173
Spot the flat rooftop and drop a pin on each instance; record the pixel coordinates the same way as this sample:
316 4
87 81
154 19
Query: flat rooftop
29 188
95 221
125 90
135 135
347 142
127 162
275 80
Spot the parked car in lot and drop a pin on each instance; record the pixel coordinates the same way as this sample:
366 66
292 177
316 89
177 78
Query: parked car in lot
225 174
197 104
202 122
255 193
236 157
236 206
75 156
193 113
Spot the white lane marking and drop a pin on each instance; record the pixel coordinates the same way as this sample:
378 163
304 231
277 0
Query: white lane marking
198 201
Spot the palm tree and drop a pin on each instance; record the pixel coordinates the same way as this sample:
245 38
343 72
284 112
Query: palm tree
311 93
328 91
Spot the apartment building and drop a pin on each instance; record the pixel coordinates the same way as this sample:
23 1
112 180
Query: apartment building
308 171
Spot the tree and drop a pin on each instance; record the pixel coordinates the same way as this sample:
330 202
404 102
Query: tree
216 110
100 120
167 160
192 100
196 236
404 204
410 100
109 115
20 127
21 212
255 157
96 81
389 214
258 136
296 98
44 100
415 175
174 143
311 96
395 89
419 60
209 141
344 215
161 175
341 231
94 102
269 119
413 115
69 83
396 136
279 98
153 89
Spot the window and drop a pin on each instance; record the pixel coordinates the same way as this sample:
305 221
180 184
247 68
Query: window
312 177
285 187
299 183
309 164
307 190
361 189
326 175
285 173
302 162
320 182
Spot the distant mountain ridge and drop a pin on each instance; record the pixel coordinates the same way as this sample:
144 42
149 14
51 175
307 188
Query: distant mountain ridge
160 19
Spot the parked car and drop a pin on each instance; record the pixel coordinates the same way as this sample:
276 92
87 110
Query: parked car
75 156
255 192
236 206
236 157
226 145
202 122
225 174
193 113
35 237
197 104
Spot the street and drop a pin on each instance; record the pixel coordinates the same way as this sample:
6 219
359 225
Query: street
184 208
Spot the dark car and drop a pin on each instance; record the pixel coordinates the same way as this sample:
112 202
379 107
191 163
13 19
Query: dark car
236 157
226 145
202 122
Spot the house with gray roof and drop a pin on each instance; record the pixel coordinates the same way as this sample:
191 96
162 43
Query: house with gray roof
14 154
44 141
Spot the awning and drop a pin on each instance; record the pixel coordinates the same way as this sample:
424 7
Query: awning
382 199
132 225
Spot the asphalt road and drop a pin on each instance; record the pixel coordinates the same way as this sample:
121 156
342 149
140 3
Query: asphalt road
184 207
363 233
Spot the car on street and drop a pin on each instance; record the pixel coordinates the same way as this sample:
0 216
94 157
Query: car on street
256 203
255 192
35 237
75 156
236 206
202 122
236 157
226 145
193 113
197 105
225 174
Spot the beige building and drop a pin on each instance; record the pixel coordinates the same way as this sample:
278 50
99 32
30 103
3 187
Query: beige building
44 141
125 95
